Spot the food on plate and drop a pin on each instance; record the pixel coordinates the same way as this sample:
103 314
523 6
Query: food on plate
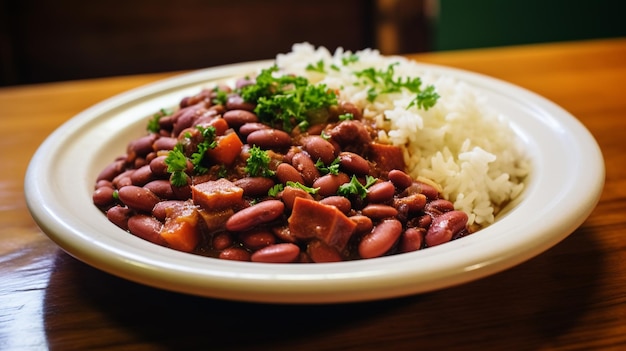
318 158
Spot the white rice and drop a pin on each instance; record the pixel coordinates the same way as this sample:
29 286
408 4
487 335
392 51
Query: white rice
461 144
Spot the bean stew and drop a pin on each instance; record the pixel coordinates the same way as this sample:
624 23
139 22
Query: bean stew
272 170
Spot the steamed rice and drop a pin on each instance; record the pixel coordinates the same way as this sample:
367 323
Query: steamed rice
460 144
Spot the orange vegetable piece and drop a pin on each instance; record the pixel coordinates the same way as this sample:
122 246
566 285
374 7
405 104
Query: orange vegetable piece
219 124
216 195
227 149
311 219
180 230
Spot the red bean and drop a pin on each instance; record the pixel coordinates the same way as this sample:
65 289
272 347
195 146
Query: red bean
147 228
164 143
381 192
439 206
255 186
262 212
411 239
159 211
222 241
142 146
445 226
237 118
111 171
119 216
287 173
236 102
277 253
161 188
289 195
422 188
248 128
364 224
378 211
353 163
400 179
413 203
142 175
328 184
138 198
343 204
103 196
320 148
303 163
158 166
269 139
235 254
381 239
123 179
257 239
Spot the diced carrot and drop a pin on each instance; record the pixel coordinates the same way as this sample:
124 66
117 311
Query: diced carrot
180 230
387 157
311 219
220 125
227 149
216 195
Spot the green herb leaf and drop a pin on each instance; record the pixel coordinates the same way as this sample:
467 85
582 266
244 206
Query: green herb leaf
332 168
208 142
275 190
317 67
346 60
354 187
298 185
258 163
176 162
153 123
385 82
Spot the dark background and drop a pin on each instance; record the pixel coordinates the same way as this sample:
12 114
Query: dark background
45 41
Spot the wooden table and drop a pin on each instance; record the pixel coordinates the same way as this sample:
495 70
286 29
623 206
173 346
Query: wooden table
571 297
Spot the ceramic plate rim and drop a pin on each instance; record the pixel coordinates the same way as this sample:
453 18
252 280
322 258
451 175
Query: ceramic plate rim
77 230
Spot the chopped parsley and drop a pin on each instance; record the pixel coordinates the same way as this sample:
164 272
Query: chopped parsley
385 82
208 142
220 97
288 101
176 162
299 185
354 187
153 123
273 192
257 165
346 117
317 67
346 60
332 168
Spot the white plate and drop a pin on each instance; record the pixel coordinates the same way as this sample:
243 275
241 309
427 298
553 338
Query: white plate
60 178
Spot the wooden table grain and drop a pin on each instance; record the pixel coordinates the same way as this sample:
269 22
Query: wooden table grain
571 297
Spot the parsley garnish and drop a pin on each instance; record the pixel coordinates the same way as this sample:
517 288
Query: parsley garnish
346 117
286 100
220 97
208 142
385 82
275 190
349 59
317 67
425 99
258 163
299 185
354 187
177 165
153 123
332 168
